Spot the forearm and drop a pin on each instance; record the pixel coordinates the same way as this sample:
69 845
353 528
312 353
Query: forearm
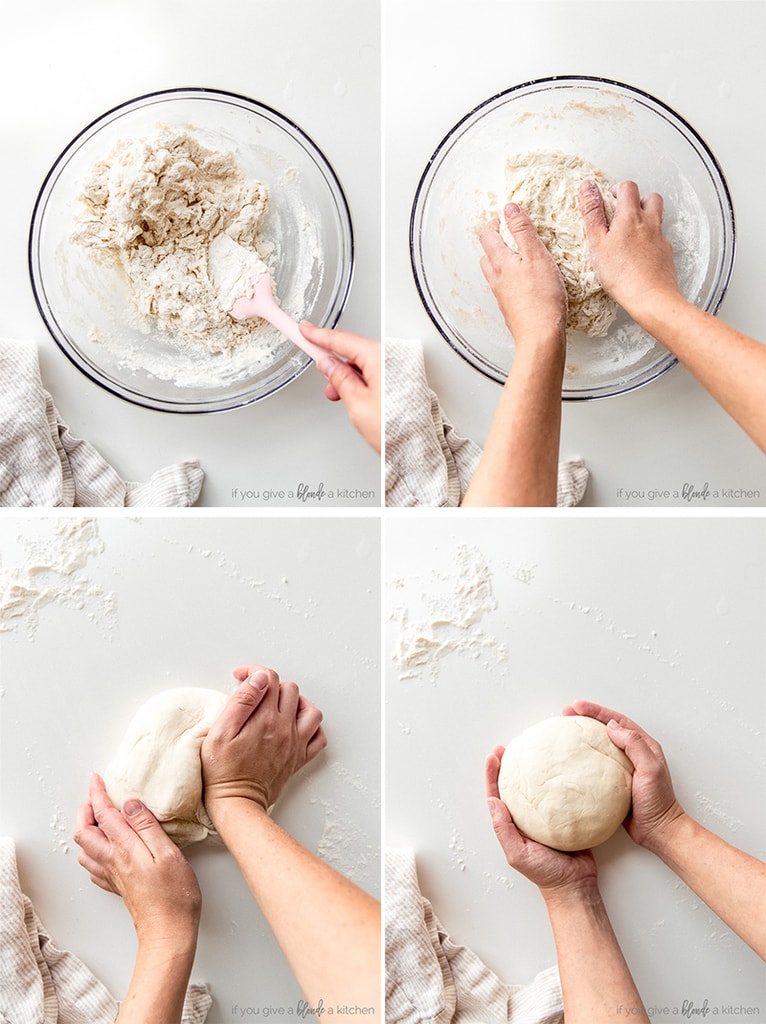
519 464
729 881
729 365
596 982
160 978
327 927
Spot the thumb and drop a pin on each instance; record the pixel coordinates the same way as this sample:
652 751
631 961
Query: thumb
522 229
343 377
633 744
144 823
592 210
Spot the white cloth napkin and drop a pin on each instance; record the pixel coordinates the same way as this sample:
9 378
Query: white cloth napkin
428 463
431 978
40 984
43 464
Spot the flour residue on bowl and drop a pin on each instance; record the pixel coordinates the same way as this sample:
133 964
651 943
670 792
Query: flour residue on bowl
148 214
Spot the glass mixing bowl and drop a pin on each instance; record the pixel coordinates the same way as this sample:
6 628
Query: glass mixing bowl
625 133
85 305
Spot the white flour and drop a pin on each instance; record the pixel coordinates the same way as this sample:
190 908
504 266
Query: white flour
452 621
53 573
151 209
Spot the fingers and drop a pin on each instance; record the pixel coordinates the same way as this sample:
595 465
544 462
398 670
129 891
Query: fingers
344 380
146 827
255 686
105 814
522 230
492 770
593 210
492 241
654 206
309 722
620 723
316 745
643 753
289 695
359 350
508 835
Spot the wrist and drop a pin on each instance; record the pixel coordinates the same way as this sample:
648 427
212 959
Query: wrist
582 892
655 307
661 839
223 808
170 937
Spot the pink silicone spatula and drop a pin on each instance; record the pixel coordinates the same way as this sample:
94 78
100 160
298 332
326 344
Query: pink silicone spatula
245 290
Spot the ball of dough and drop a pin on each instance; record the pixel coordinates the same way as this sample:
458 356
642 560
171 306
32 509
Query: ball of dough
158 760
546 186
565 783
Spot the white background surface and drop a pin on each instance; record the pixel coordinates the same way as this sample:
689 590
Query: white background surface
317 62
659 618
706 61
191 601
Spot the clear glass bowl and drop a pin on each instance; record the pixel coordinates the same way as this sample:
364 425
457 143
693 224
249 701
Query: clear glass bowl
84 305
625 133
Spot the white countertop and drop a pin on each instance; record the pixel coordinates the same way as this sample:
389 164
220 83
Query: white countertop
160 603
317 63
660 619
704 60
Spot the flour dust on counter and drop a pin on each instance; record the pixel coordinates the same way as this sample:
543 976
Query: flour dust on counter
450 621
54 571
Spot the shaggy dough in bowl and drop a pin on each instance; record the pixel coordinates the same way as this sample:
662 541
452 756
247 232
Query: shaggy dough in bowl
546 186
158 760
565 783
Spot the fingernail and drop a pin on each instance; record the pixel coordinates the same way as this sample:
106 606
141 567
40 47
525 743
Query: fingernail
259 679
132 807
327 365
512 209
614 725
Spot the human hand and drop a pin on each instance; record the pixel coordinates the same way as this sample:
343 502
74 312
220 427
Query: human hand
553 872
654 805
355 382
527 285
128 853
633 259
266 732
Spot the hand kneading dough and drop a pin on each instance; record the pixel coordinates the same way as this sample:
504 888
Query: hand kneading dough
565 783
547 187
158 760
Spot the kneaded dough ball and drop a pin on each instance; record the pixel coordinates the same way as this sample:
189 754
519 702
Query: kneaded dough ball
158 760
546 185
565 783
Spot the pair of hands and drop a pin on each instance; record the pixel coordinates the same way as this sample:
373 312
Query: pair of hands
266 732
654 807
632 257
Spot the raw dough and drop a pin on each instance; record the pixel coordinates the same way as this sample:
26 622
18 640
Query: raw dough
565 783
152 208
546 186
158 760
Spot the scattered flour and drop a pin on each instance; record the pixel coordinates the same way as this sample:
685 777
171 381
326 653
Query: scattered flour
52 573
152 209
451 623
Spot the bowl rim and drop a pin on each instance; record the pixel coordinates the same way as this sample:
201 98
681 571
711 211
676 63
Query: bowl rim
135 398
727 208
